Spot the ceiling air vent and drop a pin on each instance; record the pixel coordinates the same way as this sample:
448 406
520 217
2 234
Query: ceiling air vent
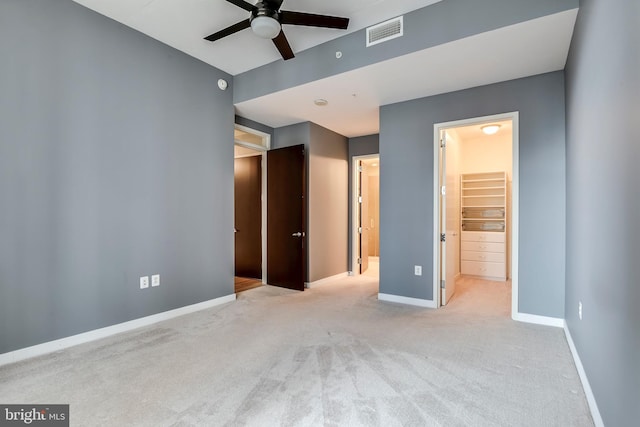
385 31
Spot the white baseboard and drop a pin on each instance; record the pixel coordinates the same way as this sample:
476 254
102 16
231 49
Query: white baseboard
591 399
325 280
407 300
53 346
539 320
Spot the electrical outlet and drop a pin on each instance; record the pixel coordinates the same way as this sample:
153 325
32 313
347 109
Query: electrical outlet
144 282
155 280
417 270
580 310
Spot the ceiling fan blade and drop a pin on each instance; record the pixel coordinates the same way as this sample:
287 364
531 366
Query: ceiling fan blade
311 20
243 4
283 46
229 30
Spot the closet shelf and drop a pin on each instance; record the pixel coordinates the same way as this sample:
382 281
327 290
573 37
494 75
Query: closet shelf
484 180
483 198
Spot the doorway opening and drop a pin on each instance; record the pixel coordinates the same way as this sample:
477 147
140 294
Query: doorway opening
366 215
476 210
250 214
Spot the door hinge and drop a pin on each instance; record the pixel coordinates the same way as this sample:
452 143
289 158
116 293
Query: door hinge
442 284
443 190
360 230
359 260
359 199
442 237
360 169
443 143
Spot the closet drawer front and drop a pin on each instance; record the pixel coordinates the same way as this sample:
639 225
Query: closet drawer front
479 236
482 256
486 269
483 247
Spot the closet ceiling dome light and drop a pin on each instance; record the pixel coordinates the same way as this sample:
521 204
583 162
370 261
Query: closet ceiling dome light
490 129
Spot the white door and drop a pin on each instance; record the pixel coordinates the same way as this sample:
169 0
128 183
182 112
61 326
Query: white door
448 221
364 217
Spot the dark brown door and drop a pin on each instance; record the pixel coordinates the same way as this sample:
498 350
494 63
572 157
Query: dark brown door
248 216
364 218
286 247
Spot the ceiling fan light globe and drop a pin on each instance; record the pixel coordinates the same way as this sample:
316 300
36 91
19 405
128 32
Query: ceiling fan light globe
265 27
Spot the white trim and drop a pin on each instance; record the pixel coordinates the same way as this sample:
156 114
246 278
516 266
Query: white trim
539 320
407 300
515 190
63 343
515 211
317 283
591 399
266 138
355 208
263 226
263 166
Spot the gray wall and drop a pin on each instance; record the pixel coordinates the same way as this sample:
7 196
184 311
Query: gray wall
359 146
115 162
434 25
328 204
327 209
603 203
406 186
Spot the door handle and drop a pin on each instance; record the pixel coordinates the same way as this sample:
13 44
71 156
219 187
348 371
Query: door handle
298 234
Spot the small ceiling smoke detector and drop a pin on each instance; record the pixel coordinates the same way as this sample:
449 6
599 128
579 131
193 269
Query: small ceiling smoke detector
320 102
490 129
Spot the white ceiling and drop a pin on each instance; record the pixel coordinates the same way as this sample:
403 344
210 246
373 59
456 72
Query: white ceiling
521 50
183 24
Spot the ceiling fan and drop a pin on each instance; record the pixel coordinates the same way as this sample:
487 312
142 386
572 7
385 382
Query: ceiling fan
266 21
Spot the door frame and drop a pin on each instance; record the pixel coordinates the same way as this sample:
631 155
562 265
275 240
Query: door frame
263 154
355 238
515 191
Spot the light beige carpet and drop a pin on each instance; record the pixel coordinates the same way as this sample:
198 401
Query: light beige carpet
333 355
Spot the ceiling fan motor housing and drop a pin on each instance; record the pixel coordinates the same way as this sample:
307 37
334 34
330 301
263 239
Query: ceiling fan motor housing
265 22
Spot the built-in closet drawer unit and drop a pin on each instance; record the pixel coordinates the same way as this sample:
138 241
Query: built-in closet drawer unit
487 270
483 203
483 254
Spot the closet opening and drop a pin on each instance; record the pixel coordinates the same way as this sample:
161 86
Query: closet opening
475 214
250 147
366 215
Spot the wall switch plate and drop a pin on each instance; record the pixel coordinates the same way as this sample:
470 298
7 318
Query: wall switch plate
144 282
417 270
580 310
155 280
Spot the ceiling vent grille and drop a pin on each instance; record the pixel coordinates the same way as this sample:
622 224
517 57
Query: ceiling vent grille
385 31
